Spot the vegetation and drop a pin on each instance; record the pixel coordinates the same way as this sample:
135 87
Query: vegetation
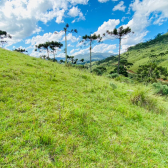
21 50
140 59
3 36
151 72
57 116
49 47
65 30
91 38
120 33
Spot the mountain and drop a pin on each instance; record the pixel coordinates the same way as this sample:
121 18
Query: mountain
95 56
53 115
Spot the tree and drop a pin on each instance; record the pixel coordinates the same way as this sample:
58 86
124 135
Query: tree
119 34
43 56
61 61
71 58
124 65
65 31
54 45
91 38
151 72
42 47
20 50
82 60
3 35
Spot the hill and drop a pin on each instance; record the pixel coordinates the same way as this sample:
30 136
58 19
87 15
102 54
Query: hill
57 116
139 54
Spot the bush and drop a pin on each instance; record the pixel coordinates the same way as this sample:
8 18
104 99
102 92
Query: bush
99 70
114 86
140 98
151 72
161 89
122 71
113 75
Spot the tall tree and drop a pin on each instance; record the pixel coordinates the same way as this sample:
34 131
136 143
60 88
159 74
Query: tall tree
54 45
119 34
3 35
65 30
42 47
91 38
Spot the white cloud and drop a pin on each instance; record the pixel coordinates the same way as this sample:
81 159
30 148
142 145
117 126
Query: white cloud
74 12
20 17
46 37
142 18
102 1
100 48
109 25
103 48
82 51
120 7
69 45
71 38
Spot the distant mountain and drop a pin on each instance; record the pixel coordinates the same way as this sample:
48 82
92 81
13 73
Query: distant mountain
95 56
86 57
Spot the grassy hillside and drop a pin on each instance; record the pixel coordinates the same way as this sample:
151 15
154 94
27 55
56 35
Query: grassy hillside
139 54
56 116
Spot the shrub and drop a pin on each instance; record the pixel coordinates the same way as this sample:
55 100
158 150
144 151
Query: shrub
114 86
151 72
113 75
161 89
140 98
122 71
99 70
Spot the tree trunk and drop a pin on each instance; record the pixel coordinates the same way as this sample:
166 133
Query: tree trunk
119 55
48 53
90 57
54 56
65 48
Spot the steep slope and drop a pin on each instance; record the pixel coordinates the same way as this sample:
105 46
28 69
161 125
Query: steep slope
56 116
139 54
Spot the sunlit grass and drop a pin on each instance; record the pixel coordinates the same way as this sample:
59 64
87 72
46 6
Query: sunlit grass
57 116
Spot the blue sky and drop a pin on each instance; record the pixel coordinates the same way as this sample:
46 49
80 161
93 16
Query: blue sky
32 22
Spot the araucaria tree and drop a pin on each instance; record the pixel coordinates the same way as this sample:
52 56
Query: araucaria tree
54 45
42 47
3 35
119 34
91 38
66 31
49 47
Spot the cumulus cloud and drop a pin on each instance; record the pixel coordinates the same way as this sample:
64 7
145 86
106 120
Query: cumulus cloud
145 13
109 25
120 7
46 37
103 48
100 48
20 17
103 1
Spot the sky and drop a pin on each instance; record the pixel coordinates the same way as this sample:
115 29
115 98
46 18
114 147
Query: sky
31 22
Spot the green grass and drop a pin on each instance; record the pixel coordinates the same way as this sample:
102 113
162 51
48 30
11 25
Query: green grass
57 116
